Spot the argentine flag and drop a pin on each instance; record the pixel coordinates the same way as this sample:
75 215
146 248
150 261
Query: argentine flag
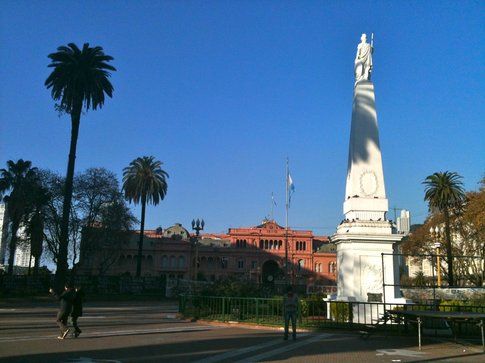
291 188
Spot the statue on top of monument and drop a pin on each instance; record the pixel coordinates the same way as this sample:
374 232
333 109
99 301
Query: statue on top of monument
363 60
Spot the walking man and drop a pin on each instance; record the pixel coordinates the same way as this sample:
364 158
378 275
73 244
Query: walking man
77 309
65 299
290 311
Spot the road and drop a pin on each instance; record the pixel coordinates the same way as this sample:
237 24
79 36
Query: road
150 332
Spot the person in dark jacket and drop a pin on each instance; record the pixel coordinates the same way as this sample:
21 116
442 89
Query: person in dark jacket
290 311
65 299
77 309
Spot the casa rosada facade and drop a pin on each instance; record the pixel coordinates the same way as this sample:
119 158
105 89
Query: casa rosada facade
254 253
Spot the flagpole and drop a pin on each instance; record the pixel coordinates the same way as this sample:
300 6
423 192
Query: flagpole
286 224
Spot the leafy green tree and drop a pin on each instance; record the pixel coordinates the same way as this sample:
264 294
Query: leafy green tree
79 79
444 192
17 179
144 182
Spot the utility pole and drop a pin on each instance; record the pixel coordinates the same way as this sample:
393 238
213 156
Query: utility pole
197 226
395 209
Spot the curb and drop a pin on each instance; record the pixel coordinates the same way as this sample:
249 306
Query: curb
250 326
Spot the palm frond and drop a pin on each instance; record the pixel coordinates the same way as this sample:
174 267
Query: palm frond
80 77
144 180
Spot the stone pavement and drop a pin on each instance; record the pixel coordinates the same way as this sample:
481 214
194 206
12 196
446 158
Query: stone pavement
151 333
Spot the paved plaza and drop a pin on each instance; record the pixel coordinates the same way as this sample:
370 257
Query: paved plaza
150 332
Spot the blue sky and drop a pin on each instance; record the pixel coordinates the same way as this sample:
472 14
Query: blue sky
223 91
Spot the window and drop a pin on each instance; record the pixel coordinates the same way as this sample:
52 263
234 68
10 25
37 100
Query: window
301 264
279 244
265 244
304 246
240 264
261 244
164 261
181 261
224 262
172 262
254 264
332 267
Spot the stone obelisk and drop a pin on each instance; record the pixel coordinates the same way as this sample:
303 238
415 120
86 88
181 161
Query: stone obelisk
365 233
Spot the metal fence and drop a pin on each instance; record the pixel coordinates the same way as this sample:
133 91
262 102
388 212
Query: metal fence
315 313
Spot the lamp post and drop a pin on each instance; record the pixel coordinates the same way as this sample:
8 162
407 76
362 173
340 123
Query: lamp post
197 226
436 233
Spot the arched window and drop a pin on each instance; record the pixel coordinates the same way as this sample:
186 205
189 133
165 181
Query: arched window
265 244
173 263
245 243
210 262
261 244
164 261
279 244
304 246
270 244
181 261
237 243
301 264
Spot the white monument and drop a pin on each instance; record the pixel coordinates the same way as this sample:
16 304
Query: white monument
365 233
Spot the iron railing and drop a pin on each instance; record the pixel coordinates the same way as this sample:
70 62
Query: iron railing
314 312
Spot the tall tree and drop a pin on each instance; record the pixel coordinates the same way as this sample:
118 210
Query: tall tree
80 79
144 182
17 179
444 192
34 221
102 242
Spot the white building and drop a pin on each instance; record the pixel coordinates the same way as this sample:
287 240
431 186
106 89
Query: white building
3 233
22 255
403 222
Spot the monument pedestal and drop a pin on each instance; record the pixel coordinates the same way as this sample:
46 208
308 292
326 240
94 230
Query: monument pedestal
362 269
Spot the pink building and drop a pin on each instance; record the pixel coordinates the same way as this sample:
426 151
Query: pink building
255 253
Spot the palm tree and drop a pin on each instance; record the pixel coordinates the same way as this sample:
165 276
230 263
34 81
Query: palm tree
80 79
144 182
17 179
444 192
34 223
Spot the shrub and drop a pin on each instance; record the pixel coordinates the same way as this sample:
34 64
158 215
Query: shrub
341 311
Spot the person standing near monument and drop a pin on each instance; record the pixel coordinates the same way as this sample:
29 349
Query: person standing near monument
290 311
77 309
66 299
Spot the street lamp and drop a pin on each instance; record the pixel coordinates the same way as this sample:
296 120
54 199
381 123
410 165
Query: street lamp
197 226
436 233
